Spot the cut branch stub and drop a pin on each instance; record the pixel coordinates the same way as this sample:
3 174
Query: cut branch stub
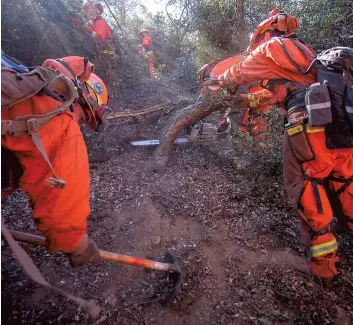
205 105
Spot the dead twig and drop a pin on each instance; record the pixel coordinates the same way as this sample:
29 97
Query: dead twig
40 44
139 113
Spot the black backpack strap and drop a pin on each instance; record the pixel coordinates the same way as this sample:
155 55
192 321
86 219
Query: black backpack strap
345 181
63 63
48 92
85 62
314 183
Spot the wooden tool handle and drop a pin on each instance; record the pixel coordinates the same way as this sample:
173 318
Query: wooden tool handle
28 238
105 255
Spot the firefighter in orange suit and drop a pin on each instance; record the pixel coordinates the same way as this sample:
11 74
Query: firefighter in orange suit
146 45
60 203
308 163
97 26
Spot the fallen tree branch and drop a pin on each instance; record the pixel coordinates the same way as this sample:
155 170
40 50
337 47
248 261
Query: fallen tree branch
210 102
139 113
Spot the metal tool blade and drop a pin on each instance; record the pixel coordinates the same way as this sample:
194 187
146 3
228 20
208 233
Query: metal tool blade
146 143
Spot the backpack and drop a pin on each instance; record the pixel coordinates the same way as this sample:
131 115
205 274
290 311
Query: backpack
335 66
333 92
20 83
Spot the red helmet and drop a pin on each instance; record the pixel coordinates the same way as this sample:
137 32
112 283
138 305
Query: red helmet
143 30
278 20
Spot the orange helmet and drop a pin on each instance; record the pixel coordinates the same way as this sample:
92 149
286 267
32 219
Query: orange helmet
278 20
97 89
143 30
93 94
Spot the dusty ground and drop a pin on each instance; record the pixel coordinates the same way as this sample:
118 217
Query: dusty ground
219 208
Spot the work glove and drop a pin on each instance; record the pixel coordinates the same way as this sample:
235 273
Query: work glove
86 252
215 83
212 83
102 113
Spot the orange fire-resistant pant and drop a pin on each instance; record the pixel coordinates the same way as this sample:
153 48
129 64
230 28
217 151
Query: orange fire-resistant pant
151 66
316 209
60 214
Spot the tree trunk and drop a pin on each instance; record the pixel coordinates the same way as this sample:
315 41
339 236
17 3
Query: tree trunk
243 35
191 114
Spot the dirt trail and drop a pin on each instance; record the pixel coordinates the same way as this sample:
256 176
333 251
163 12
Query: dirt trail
224 218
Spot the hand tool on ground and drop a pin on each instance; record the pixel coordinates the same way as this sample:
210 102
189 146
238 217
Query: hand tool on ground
148 143
202 131
169 265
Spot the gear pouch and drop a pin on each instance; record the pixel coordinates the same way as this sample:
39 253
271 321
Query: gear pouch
318 104
300 143
349 104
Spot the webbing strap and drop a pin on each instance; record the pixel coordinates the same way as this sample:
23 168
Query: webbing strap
55 181
31 125
28 123
32 271
347 182
321 232
63 63
314 183
317 197
299 68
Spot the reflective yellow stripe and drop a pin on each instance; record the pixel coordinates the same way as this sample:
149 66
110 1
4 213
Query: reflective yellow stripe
324 249
314 129
254 103
226 78
108 52
295 129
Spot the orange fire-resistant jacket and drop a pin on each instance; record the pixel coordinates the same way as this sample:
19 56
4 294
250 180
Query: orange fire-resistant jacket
269 61
102 32
147 42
